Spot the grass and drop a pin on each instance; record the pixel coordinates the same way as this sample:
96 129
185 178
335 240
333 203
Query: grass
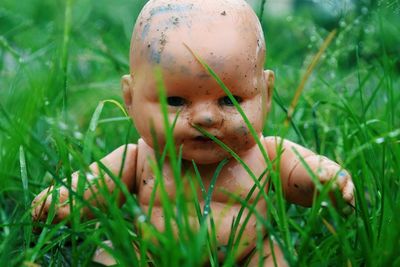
59 112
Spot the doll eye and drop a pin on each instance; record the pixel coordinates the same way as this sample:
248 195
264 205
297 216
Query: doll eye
226 101
176 101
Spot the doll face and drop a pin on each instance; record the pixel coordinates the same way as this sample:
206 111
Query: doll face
193 96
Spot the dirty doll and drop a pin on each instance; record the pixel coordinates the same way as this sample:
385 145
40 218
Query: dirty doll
227 35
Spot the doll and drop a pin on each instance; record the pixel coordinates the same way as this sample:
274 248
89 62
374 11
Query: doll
227 35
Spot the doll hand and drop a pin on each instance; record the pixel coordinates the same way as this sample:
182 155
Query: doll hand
42 203
328 170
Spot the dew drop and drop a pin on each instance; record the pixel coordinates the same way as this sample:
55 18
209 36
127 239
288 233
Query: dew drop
141 218
394 133
364 10
313 38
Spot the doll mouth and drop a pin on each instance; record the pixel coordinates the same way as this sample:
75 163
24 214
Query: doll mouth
203 139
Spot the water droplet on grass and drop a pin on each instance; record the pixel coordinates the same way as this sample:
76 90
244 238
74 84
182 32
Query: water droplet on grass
313 38
141 218
89 176
394 133
364 10
78 135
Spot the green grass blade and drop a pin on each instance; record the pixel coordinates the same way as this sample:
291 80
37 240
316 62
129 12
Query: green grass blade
24 177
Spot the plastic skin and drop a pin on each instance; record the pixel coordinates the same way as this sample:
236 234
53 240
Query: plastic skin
227 35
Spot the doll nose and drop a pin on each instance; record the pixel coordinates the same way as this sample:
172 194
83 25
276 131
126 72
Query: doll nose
205 116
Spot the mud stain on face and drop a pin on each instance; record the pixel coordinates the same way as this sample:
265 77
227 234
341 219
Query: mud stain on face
184 70
145 30
157 47
174 21
177 10
222 123
203 75
155 54
169 8
242 130
208 120
163 41
158 31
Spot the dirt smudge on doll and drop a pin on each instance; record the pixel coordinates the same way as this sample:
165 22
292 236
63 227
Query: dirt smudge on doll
164 18
170 8
242 130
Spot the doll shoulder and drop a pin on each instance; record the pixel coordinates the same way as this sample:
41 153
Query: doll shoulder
123 162
272 145
279 147
123 156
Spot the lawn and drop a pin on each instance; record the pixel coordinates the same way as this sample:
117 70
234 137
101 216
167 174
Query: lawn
61 109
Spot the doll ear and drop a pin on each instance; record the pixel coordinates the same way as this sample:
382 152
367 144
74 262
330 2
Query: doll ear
126 84
269 78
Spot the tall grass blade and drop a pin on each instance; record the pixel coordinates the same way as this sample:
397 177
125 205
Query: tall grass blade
307 74
24 177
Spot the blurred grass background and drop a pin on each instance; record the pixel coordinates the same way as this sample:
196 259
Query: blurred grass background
59 59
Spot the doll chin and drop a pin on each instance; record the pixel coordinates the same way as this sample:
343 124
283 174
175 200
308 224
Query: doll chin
204 158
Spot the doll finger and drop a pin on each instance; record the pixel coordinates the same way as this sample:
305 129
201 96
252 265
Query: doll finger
342 178
40 204
348 192
326 173
330 174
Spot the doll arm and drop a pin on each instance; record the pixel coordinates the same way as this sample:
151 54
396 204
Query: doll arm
94 179
297 183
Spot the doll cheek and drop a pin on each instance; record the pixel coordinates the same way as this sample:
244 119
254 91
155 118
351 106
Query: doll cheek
237 134
182 130
242 130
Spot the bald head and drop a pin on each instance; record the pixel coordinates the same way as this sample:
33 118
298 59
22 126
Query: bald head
227 35
217 30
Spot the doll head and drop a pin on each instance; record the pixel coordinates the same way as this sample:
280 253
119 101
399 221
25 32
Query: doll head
227 35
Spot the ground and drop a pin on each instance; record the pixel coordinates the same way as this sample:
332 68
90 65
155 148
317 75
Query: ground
57 67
